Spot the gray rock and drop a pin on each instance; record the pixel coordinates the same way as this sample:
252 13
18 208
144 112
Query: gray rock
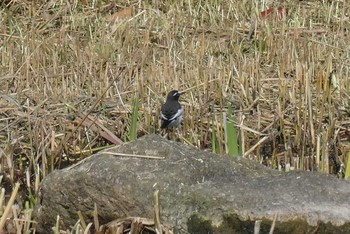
200 192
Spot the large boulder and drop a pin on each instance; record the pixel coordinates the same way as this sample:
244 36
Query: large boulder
200 192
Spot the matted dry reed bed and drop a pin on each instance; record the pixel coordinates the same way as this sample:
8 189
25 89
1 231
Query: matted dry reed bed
70 72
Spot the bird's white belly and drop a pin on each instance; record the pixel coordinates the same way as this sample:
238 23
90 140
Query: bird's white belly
176 122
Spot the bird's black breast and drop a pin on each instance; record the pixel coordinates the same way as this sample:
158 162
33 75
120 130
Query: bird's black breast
169 109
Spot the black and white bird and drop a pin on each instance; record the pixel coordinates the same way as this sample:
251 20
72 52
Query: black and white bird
171 111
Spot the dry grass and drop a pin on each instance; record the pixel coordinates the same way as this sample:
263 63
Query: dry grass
62 60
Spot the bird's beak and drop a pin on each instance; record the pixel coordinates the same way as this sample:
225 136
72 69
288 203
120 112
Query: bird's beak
182 92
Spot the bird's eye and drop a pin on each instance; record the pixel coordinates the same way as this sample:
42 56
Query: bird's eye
175 94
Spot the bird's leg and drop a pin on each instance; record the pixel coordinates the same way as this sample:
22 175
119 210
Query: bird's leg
179 135
168 134
164 133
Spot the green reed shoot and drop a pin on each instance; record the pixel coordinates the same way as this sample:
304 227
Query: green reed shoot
215 142
134 117
347 168
231 134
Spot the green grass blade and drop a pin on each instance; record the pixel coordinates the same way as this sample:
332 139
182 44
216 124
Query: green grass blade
347 169
57 226
134 117
214 142
231 134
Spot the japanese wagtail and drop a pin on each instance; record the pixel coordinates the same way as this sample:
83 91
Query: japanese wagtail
171 111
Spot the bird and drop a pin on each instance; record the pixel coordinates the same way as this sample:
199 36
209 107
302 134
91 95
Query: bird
171 111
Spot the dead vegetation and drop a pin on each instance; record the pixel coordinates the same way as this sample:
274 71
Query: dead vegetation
70 71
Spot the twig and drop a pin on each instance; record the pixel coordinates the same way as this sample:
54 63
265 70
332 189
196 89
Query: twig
256 145
157 223
273 224
135 155
184 91
8 207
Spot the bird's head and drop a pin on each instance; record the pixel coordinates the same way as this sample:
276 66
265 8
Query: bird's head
174 95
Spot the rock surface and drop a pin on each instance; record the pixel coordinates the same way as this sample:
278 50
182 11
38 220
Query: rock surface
200 192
